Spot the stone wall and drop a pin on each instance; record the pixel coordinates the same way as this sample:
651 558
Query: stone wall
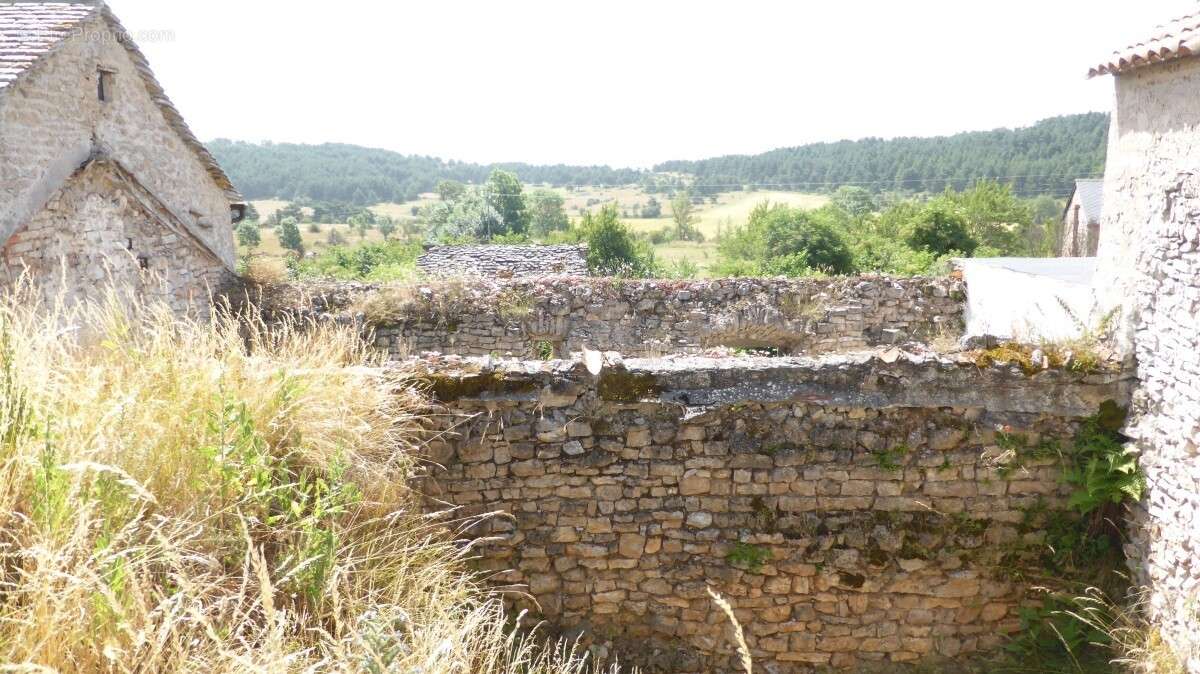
561 315
101 231
1150 268
497 261
855 509
51 121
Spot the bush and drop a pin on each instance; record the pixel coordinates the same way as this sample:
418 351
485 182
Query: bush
389 261
612 248
782 240
941 231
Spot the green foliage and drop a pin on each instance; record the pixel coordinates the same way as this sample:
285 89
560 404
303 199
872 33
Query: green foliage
855 201
503 194
652 209
543 350
612 248
289 236
365 176
780 240
941 231
750 557
890 459
386 261
1053 628
249 234
1104 472
386 227
546 212
450 190
1045 157
683 214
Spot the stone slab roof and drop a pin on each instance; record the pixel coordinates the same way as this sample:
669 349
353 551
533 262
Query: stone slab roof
31 31
1174 40
504 261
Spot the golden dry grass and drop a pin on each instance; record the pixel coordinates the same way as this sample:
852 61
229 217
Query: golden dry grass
186 495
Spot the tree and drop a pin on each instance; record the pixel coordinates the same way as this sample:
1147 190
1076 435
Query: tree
778 239
360 223
546 212
251 212
612 249
470 218
684 216
652 209
856 201
248 234
503 193
450 190
386 227
940 230
288 232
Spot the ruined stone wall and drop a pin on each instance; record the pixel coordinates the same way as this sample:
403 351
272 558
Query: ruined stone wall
1150 267
562 315
97 233
51 121
499 261
854 509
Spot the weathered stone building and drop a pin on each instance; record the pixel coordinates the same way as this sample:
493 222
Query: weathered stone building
1081 219
100 177
1149 275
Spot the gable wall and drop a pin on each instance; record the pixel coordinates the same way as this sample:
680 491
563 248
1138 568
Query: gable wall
1150 268
48 121
95 227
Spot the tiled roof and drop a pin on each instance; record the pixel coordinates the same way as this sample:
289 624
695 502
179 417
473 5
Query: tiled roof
1176 39
29 31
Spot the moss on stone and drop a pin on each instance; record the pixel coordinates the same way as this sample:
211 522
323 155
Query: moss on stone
623 386
450 389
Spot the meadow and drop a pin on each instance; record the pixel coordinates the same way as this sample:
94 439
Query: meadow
731 209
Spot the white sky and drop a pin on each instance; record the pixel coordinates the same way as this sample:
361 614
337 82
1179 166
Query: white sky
628 83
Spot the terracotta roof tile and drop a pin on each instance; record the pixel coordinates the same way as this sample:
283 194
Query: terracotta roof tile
29 31
1177 39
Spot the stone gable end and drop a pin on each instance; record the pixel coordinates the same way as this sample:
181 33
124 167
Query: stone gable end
52 121
101 228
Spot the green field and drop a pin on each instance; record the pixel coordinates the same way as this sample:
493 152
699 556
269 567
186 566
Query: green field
731 209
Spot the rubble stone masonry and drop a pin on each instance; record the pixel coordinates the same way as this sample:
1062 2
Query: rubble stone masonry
562 314
1150 269
855 509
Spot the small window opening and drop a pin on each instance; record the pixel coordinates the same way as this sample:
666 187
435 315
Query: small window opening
144 261
104 84
128 244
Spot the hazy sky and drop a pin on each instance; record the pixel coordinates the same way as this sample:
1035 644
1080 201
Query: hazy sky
628 83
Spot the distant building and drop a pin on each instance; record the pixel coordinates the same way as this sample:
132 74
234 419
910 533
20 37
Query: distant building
100 177
1081 220
504 261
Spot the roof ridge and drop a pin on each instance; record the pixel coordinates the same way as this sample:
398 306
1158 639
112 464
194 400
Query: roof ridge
39 40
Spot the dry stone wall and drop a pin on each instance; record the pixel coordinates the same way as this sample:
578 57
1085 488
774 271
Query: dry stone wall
856 509
502 261
562 315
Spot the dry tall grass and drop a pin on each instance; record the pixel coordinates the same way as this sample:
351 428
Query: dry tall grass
224 496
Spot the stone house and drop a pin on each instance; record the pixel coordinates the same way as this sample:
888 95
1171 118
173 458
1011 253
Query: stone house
1148 277
100 177
1081 219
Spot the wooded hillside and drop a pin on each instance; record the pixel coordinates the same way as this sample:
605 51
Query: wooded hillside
1039 159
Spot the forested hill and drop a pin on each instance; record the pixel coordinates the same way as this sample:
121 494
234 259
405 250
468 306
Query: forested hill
359 175
1043 158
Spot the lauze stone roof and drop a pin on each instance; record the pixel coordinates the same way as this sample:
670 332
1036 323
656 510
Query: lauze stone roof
31 31
504 261
1175 40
